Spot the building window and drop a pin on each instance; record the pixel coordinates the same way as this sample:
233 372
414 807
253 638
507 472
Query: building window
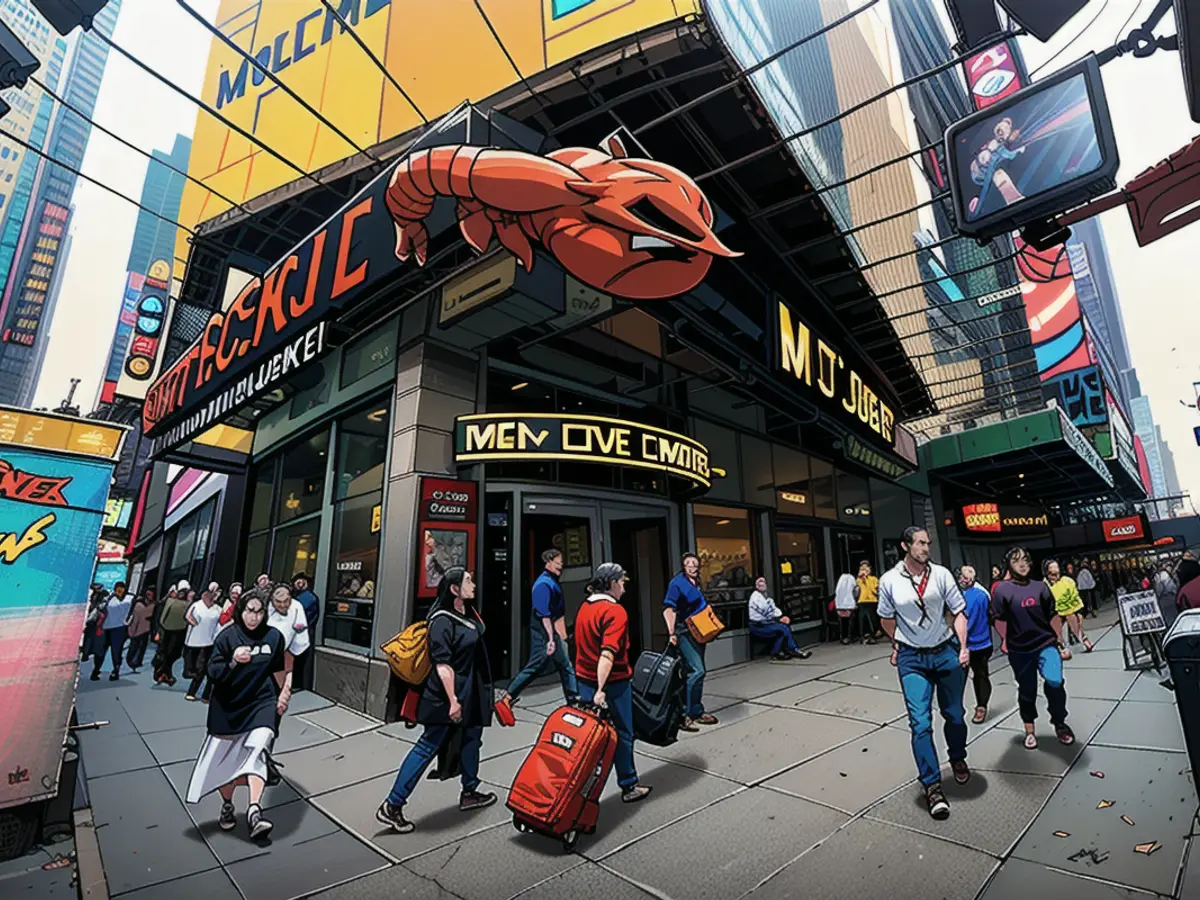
189 557
853 500
821 487
725 543
368 354
800 585
302 478
295 549
262 490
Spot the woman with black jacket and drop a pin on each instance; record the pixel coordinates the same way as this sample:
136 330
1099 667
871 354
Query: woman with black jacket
247 671
457 694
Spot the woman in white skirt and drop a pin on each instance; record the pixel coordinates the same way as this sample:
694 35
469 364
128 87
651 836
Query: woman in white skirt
247 670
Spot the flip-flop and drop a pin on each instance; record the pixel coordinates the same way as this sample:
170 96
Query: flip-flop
1030 741
980 715
1065 735
1087 646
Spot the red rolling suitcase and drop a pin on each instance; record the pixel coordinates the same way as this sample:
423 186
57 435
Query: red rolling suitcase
557 789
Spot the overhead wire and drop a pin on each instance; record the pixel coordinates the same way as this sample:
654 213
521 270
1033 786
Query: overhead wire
512 62
1069 44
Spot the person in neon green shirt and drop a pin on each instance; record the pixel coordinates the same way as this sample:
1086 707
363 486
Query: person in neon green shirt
1067 603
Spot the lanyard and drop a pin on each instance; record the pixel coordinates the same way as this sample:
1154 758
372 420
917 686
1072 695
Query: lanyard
920 589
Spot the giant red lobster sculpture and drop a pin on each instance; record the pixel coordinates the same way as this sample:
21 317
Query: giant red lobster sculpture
630 227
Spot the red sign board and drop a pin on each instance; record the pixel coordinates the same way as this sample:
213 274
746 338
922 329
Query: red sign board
982 517
446 534
1126 529
992 75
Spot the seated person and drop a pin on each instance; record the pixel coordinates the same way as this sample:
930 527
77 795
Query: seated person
769 623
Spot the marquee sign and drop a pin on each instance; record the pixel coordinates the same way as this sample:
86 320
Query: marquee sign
996 518
1129 528
499 437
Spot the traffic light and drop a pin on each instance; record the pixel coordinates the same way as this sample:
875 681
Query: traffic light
66 15
1187 23
977 23
16 62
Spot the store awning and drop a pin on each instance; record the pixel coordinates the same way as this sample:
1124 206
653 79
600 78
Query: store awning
1039 458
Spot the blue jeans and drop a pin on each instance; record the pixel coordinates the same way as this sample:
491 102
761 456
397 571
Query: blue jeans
923 672
423 753
620 707
540 664
775 631
1026 666
693 689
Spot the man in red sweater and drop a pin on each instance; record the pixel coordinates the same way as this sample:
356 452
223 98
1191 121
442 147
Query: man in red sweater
602 667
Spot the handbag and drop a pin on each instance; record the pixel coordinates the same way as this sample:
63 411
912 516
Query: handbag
408 652
449 758
704 625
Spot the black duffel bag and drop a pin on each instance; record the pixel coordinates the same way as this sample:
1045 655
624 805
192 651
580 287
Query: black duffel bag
657 689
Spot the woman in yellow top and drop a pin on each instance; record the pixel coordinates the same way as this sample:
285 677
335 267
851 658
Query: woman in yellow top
1067 603
867 593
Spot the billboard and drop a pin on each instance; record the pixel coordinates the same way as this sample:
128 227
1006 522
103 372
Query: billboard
26 316
992 75
151 319
125 322
1129 528
439 53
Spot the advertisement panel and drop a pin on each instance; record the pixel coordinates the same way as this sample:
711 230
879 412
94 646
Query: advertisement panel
439 53
992 75
30 303
134 283
1008 519
1129 528
447 531
51 506
152 319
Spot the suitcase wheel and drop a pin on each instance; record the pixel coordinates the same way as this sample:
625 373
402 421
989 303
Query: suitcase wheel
520 826
569 840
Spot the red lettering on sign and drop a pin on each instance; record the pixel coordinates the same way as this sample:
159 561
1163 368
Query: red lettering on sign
44 490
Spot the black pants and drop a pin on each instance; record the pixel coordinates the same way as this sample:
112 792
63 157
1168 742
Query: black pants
170 648
136 656
1089 600
302 671
199 667
980 676
111 640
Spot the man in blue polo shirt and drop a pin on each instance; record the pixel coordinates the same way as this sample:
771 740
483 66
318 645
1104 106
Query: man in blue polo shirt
683 600
547 634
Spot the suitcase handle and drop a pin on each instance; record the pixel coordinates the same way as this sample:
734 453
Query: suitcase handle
598 711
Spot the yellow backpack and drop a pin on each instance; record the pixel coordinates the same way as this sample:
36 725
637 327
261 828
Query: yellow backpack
408 653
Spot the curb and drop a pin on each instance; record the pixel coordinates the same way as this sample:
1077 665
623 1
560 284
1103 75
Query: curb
92 883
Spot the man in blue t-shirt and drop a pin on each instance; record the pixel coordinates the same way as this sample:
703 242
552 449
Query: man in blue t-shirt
302 672
547 634
979 638
683 600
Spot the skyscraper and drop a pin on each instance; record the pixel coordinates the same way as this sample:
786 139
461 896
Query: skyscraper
30 288
153 239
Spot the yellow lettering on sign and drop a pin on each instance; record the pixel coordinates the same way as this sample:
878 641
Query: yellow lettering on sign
13 546
481 437
828 361
794 344
527 436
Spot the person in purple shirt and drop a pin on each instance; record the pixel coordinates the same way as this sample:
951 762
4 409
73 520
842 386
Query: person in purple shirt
979 639
683 600
1031 635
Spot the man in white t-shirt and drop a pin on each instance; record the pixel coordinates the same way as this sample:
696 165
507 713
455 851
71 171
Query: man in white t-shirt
914 599
287 617
204 621
114 632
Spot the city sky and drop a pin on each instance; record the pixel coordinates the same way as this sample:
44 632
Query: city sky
1146 99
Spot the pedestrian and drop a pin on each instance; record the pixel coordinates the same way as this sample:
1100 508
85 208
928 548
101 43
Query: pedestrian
1031 634
868 604
914 599
602 660
1067 603
141 619
1165 590
287 617
1188 595
997 575
191 597
92 646
172 631
1086 582
114 632
768 623
682 601
204 619
302 591
547 635
235 591
845 601
246 668
457 694
979 639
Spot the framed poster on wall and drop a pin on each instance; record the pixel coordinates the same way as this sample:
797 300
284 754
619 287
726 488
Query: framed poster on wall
445 532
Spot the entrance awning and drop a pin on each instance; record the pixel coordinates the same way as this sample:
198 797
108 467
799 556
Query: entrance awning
1039 458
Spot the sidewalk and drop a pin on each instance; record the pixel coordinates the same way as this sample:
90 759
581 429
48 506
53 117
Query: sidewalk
805 788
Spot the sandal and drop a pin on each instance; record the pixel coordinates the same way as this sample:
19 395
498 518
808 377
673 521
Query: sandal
1087 646
980 715
1064 734
1030 741
1064 653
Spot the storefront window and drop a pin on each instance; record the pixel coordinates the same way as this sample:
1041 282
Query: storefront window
368 354
262 488
190 555
362 452
256 559
295 550
728 559
354 570
793 494
853 500
302 485
821 487
801 587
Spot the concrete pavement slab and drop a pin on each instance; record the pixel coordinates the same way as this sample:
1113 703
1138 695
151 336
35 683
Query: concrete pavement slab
401 732
678 791
795 696
1190 886
26 877
1099 684
177 746
345 761
1148 690
1002 750
726 849
1020 880
162 708
761 679
585 882
497 741
211 885
298 871
856 702
855 776
145 835
1002 704
989 813
392 883
179 774
878 673
730 715
297 734
468 870
714 703
97 706
871 859
1153 726
107 753
341 721
306 702
295 823
1083 715
766 744
1153 790
433 807
1111 658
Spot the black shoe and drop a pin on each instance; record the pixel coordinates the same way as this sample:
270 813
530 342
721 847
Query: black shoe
962 772
801 654
260 826
95 676
228 820
115 676
845 642
781 657
393 818
469 801
939 808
